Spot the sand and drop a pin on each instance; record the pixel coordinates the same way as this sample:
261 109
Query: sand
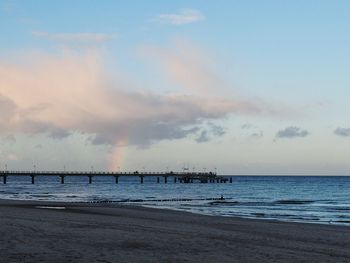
112 233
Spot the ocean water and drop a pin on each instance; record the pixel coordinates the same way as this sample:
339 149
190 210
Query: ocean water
313 199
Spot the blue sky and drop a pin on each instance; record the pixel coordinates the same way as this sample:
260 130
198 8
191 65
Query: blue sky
249 87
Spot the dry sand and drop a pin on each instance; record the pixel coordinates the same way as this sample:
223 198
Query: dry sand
110 233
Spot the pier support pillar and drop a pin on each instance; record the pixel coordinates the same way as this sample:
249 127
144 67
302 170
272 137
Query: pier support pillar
62 179
116 179
175 180
141 179
158 180
90 179
33 179
165 179
231 180
4 179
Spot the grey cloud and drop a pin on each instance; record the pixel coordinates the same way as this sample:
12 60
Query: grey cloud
166 118
58 133
247 126
175 118
143 133
345 132
257 135
203 137
216 130
210 130
292 132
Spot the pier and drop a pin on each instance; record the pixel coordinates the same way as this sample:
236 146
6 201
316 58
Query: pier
181 177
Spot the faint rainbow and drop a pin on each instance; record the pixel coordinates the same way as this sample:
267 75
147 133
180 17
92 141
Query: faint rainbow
118 155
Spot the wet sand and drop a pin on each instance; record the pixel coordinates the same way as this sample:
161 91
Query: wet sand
112 233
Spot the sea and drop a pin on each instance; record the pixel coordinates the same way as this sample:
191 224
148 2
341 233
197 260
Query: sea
310 199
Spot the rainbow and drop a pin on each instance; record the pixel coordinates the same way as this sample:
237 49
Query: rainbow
118 155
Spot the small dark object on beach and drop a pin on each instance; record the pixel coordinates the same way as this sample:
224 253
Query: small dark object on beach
222 197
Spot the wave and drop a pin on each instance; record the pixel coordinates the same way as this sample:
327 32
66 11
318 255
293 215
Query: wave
273 203
220 202
342 221
293 202
344 216
98 200
341 208
258 214
41 195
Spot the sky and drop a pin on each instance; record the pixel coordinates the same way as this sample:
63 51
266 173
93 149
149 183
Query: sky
240 87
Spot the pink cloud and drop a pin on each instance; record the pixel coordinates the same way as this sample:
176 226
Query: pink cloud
188 66
71 92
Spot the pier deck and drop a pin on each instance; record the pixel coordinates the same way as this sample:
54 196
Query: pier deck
182 177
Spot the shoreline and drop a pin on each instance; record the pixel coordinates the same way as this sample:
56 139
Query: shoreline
135 205
95 232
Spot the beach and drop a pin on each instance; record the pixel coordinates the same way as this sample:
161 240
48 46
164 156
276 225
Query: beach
35 231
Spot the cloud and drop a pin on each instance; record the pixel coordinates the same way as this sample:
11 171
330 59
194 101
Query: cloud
211 131
58 133
80 38
344 132
187 66
38 146
62 94
257 135
216 130
192 70
203 137
292 132
184 16
248 126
